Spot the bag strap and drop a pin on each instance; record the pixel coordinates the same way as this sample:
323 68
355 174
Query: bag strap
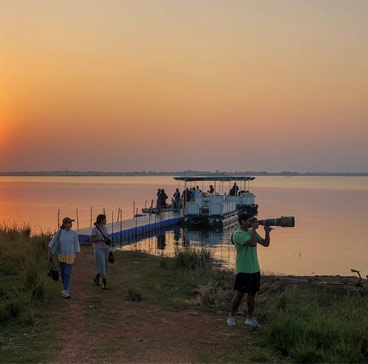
53 265
101 231
232 238
58 238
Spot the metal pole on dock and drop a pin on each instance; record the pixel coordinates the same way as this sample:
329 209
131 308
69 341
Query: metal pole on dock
58 218
156 220
133 208
121 221
91 216
112 225
76 212
104 211
136 222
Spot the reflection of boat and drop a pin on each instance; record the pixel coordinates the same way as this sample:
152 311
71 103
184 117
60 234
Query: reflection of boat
206 237
216 208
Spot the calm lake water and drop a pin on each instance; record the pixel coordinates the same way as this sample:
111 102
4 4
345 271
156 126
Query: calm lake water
331 216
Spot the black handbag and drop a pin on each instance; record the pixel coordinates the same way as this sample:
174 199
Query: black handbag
53 273
111 258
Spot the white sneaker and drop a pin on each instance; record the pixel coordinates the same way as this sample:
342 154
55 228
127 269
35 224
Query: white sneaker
66 294
231 320
62 292
253 322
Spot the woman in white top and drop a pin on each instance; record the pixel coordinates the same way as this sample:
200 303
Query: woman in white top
101 242
65 244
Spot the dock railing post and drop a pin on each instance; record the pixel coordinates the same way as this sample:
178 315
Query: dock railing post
155 220
133 208
149 218
58 219
76 212
91 216
121 222
112 226
136 223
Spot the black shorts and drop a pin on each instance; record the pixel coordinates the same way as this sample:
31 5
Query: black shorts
247 282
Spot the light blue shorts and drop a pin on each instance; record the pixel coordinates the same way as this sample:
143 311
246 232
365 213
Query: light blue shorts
102 260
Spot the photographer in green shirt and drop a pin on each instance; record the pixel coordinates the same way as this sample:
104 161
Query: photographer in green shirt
248 277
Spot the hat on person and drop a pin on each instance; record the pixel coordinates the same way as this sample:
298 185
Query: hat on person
66 220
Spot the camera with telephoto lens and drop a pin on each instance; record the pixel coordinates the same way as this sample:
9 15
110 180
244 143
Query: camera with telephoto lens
283 221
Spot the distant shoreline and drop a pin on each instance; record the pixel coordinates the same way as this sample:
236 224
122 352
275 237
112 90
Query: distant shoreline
178 173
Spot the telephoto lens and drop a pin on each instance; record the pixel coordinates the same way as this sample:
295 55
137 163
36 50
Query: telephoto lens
283 221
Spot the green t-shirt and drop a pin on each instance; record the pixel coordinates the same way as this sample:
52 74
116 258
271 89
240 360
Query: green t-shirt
246 257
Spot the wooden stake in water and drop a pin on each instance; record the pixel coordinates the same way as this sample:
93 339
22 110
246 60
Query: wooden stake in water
76 212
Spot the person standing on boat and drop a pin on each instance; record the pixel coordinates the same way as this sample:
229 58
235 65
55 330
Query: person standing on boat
163 198
101 249
234 190
193 191
65 245
158 201
176 195
197 193
248 277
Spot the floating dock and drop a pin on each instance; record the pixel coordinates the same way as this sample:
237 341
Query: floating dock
140 225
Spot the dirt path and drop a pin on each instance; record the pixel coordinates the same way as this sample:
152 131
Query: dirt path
102 326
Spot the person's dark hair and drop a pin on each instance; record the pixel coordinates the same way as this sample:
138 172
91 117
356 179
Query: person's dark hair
244 216
99 219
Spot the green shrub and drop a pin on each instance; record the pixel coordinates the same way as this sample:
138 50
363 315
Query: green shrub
191 258
134 294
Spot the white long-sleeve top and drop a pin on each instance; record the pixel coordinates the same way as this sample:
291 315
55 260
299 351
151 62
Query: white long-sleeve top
69 245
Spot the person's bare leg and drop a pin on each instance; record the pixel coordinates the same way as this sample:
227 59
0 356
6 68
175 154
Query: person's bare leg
236 302
251 302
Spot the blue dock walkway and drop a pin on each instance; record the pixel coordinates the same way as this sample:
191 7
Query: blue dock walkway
135 227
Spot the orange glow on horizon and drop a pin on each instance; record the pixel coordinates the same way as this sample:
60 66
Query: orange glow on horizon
194 79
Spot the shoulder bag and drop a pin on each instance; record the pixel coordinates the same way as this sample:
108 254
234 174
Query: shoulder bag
55 249
53 273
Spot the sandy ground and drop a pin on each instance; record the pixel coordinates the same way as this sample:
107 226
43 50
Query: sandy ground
102 327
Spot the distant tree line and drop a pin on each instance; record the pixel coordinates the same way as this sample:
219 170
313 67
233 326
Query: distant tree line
187 172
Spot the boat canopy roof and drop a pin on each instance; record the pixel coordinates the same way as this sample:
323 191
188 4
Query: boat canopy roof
214 178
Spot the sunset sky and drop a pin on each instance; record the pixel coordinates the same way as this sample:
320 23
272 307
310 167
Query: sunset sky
170 85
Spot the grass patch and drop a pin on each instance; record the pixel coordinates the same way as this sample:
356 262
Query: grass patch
134 294
26 330
316 324
305 322
170 281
